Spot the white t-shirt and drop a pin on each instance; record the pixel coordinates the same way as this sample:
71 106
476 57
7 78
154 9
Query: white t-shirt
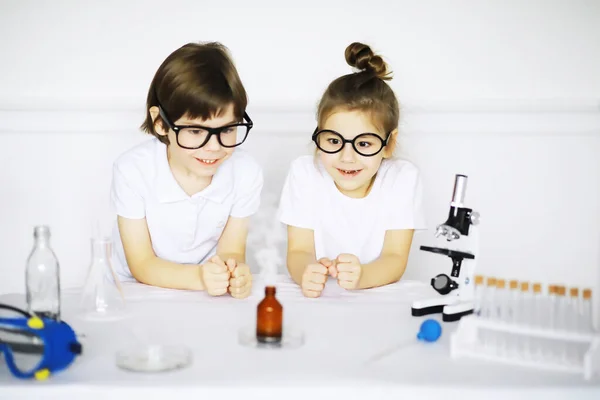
342 224
183 229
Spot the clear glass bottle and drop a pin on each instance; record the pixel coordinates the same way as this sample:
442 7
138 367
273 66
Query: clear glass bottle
42 277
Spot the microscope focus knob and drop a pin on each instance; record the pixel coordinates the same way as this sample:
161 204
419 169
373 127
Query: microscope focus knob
474 217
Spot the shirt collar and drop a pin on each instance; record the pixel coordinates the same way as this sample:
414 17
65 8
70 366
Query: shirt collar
169 191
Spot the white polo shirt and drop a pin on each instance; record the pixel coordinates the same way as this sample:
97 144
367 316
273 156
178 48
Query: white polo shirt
183 229
342 224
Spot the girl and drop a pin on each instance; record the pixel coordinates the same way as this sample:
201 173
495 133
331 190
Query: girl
351 210
183 198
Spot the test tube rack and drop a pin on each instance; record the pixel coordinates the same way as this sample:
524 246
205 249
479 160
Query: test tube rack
466 341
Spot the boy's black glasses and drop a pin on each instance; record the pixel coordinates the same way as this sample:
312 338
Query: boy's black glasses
195 136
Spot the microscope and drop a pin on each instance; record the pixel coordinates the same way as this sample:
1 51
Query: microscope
460 237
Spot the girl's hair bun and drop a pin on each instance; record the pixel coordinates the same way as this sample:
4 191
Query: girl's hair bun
360 56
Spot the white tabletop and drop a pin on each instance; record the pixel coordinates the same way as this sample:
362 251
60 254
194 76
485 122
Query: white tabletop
342 330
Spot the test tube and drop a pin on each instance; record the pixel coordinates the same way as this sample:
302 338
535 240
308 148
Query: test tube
501 300
479 295
586 311
538 305
573 353
561 303
513 309
490 293
537 344
523 346
525 309
573 310
552 323
501 312
562 317
487 336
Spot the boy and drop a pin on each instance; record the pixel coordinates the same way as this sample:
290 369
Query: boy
183 198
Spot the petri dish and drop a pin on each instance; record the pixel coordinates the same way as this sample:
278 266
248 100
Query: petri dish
292 338
154 358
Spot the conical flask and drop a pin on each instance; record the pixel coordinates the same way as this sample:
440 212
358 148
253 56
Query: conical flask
102 297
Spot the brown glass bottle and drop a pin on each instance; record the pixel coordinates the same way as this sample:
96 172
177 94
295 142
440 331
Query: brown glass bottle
269 318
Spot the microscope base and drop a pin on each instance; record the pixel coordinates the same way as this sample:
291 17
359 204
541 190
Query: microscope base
452 308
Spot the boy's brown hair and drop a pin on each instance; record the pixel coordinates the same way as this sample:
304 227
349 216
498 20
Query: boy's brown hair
198 80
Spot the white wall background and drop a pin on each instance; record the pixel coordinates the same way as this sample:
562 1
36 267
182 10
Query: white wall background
507 92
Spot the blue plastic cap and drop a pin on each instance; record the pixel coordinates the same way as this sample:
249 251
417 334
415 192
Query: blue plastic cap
430 331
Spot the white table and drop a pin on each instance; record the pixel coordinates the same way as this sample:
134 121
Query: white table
343 329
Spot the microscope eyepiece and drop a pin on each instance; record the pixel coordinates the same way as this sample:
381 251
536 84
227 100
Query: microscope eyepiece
460 190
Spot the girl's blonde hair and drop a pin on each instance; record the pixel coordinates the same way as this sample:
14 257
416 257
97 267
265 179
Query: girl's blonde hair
365 90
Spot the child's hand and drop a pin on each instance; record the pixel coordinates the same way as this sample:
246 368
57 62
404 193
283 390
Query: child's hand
215 276
313 279
330 265
348 270
240 283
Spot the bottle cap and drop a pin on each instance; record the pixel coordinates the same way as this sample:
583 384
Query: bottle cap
587 294
574 292
491 281
514 284
524 286
41 230
478 280
270 290
537 287
501 283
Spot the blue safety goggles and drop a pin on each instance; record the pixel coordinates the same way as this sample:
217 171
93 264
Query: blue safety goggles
36 347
